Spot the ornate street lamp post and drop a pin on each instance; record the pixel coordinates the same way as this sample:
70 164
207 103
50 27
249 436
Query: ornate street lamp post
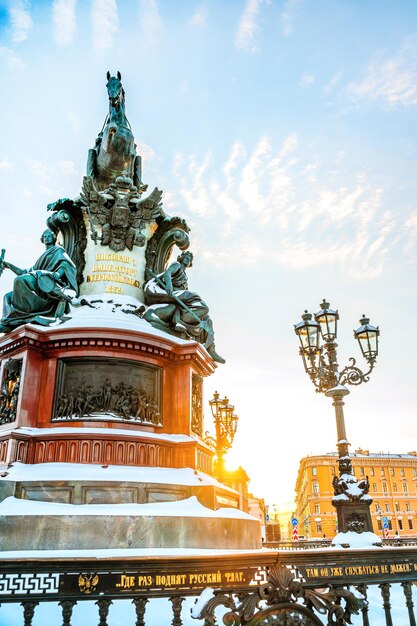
225 423
351 497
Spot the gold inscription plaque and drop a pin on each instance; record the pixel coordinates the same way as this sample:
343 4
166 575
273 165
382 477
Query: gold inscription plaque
114 268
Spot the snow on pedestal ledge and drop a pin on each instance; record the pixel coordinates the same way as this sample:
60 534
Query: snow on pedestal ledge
351 539
189 507
109 311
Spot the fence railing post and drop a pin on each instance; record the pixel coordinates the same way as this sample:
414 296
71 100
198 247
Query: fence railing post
385 587
409 601
28 612
67 607
140 606
103 610
176 610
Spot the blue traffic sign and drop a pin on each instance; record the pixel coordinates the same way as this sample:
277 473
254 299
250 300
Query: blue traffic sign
294 521
267 517
385 522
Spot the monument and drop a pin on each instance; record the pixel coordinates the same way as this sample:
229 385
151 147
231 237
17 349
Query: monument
103 357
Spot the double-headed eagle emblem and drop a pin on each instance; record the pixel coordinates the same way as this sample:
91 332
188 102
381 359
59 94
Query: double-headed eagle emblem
120 213
87 583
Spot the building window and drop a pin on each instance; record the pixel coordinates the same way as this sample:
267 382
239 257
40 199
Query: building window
319 530
376 507
374 487
402 471
385 487
400 524
386 507
397 506
389 524
407 506
372 471
394 487
362 471
405 488
316 489
379 524
333 471
382 471
410 524
414 471
392 471
314 471
317 509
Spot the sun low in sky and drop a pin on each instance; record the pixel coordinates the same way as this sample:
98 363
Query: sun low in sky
284 131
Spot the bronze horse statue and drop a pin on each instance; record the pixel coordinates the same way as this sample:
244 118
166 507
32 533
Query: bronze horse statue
114 153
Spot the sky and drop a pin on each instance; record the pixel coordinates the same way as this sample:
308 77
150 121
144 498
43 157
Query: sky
284 132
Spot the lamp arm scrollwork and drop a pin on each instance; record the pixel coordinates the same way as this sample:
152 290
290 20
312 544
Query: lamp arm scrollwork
353 375
209 440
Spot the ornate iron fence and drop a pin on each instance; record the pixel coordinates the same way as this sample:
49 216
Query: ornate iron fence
283 588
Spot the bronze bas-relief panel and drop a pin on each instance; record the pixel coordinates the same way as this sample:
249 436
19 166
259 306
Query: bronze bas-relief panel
197 405
107 390
9 390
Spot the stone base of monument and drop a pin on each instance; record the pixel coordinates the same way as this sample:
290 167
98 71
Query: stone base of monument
104 447
84 507
182 524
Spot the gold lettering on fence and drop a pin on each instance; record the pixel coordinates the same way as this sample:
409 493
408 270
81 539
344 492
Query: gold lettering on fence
192 579
360 570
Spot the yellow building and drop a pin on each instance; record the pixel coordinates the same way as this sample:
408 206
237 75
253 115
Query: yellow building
393 488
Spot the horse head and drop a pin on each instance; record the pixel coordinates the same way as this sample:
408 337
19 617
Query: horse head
115 90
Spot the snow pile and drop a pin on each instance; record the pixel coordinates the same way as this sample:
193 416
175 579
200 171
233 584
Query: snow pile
109 311
190 507
353 489
107 473
121 553
206 595
351 539
62 430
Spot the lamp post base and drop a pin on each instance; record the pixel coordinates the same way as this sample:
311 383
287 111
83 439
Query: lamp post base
354 516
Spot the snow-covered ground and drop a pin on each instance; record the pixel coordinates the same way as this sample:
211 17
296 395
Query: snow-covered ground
159 612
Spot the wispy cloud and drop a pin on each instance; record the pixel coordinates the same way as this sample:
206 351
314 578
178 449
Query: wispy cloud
392 79
199 17
335 79
288 15
5 163
307 80
49 177
193 184
248 28
63 18
150 22
21 21
302 214
10 59
104 19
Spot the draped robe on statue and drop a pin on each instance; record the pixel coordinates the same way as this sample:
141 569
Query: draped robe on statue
29 303
179 318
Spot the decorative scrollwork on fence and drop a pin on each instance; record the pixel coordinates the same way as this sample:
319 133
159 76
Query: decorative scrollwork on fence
282 600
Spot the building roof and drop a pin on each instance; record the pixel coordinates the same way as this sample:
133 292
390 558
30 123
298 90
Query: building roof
366 454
